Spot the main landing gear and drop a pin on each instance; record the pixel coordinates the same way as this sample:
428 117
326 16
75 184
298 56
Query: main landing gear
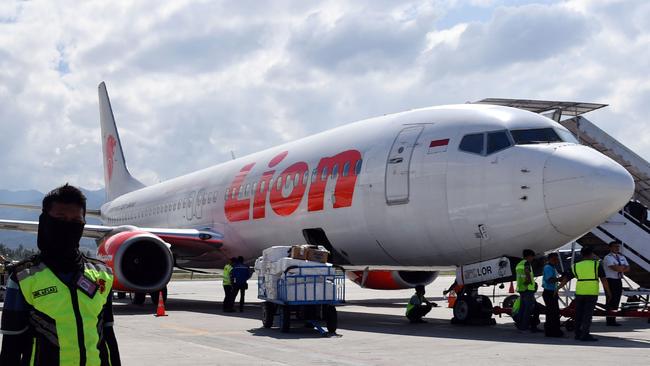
472 309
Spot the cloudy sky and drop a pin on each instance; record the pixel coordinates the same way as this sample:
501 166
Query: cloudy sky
192 80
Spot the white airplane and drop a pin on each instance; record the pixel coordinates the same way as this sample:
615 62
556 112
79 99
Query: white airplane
400 196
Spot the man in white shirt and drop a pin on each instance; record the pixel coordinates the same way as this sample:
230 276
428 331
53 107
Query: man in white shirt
615 264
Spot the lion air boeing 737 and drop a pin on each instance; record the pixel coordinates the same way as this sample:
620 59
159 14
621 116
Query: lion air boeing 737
400 195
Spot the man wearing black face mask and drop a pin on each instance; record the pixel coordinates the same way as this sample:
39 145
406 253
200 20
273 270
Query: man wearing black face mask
58 308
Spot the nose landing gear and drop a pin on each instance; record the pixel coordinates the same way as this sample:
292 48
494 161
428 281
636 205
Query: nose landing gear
472 309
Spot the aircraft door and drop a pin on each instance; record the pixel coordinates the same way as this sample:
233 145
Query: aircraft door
398 165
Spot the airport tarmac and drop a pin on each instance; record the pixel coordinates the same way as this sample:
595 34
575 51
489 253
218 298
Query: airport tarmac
372 331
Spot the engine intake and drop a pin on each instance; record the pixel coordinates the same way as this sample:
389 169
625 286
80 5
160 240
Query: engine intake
141 261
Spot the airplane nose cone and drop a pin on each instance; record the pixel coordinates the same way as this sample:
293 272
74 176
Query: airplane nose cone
582 188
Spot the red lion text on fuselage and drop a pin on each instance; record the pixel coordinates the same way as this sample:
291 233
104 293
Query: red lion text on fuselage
286 191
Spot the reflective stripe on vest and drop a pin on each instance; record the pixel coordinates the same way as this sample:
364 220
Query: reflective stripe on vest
520 270
68 307
226 274
586 273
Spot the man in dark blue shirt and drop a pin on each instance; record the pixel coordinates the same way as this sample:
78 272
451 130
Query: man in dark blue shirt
240 274
550 284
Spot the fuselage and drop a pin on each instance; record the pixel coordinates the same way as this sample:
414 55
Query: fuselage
430 187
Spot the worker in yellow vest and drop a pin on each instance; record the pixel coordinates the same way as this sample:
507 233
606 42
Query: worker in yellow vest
587 273
418 306
229 297
527 317
58 308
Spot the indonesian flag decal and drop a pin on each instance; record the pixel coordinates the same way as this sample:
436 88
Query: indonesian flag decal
437 146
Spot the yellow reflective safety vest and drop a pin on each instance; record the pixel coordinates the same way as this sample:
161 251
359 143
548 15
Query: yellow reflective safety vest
67 318
520 270
227 269
586 274
410 306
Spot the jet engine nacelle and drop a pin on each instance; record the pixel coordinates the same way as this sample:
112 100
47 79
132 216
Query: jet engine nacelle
391 280
141 261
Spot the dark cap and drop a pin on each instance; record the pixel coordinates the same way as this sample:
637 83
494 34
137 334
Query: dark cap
528 253
615 242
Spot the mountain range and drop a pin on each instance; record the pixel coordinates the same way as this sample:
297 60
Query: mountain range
13 239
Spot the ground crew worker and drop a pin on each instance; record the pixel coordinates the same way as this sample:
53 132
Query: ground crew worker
418 306
58 308
587 272
240 274
550 282
615 264
229 297
526 286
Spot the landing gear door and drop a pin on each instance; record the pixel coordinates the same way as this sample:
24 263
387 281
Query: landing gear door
398 165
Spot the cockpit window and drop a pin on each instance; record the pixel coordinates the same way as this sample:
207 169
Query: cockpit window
497 141
567 136
472 143
535 136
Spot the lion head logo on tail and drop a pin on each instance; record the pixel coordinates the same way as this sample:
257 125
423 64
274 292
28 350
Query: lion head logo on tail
110 154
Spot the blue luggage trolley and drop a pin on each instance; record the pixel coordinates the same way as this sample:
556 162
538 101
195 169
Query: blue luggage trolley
308 294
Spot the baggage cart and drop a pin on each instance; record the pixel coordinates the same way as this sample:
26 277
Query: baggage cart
308 294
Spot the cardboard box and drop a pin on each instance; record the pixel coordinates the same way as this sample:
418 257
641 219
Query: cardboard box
299 252
317 255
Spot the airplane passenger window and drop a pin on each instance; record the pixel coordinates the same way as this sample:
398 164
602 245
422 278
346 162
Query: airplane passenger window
535 136
346 167
313 174
248 186
288 182
497 141
278 185
357 167
335 171
254 188
472 143
323 176
296 180
262 184
305 177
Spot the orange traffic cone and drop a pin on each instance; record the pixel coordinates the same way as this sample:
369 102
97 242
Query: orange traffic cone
511 290
160 311
451 299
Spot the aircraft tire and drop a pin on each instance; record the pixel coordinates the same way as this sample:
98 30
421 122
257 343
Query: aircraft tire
464 309
484 307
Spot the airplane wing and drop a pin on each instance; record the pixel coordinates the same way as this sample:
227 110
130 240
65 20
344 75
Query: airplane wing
89 212
185 243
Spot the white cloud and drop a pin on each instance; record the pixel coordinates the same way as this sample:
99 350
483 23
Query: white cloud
192 80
